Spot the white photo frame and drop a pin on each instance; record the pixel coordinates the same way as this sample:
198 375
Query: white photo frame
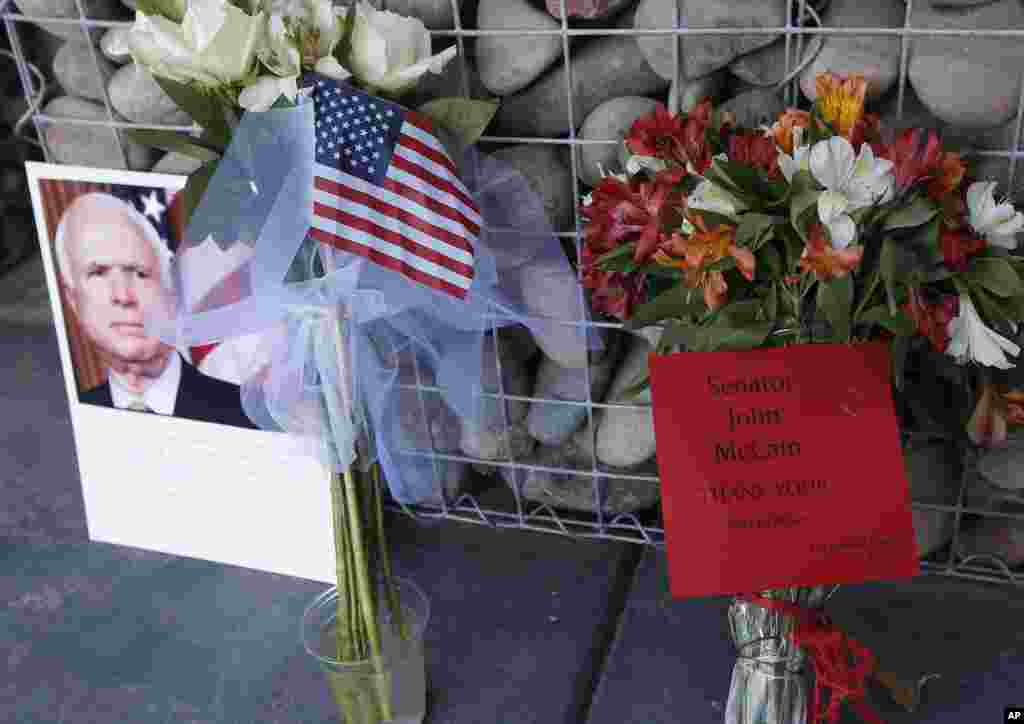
245 497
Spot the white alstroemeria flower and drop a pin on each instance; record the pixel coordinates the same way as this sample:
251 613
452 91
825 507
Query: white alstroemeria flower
850 184
638 163
710 196
972 341
391 52
998 223
799 161
214 44
610 174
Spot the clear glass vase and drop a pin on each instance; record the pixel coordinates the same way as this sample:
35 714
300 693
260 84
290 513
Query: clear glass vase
355 684
771 679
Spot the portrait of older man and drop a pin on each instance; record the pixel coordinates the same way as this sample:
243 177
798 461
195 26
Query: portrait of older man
117 271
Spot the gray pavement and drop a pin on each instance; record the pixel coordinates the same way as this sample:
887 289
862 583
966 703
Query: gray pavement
526 627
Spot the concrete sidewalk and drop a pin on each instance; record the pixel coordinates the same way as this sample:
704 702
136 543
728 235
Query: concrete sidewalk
526 628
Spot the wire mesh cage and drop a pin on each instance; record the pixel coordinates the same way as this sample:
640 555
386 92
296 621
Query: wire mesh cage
547 453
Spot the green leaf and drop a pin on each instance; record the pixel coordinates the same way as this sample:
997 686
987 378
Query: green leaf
755 229
747 311
835 299
625 250
1015 305
769 263
919 211
713 219
994 310
996 275
173 141
792 247
666 305
771 302
683 334
899 324
749 179
724 264
804 197
195 187
717 175
749 336
895 264
174 11
206 110
658 271
466 118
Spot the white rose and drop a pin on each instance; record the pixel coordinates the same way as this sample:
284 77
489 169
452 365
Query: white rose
391 52
214 44
281 56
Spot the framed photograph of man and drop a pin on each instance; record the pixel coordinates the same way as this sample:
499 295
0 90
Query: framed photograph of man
168 457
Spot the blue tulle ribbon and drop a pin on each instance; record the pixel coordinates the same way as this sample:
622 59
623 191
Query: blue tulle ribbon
339 341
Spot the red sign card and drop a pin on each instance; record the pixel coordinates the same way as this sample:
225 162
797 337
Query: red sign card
780 467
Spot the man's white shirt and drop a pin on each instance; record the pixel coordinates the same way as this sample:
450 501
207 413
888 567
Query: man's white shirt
161 394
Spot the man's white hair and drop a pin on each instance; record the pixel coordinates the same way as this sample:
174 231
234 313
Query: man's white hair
165 256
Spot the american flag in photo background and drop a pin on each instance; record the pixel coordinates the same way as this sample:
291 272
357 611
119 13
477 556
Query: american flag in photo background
385 189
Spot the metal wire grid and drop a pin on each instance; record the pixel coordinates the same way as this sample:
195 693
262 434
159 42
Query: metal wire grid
484 509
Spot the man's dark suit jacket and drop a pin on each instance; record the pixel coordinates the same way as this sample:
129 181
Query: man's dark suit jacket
200 397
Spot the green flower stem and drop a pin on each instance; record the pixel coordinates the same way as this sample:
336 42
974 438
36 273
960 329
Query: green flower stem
389 582
352 607
343 628
365 595
876 277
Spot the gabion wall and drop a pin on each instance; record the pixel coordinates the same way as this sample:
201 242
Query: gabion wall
553 449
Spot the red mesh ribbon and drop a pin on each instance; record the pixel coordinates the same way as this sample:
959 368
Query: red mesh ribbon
841 664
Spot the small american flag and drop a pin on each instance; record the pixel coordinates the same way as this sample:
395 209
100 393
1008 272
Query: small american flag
385 189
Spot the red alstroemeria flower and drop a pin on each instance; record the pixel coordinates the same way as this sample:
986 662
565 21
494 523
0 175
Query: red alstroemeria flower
755 149
959 245
613 293
826 261
677 139
948 176
932 320
659 134
698 153
621 212
867 129
915 155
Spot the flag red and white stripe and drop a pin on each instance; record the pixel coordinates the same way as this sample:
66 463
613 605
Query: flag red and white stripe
385 189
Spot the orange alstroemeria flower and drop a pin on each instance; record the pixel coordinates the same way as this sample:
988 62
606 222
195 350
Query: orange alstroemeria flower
825 260
841 100
705 246
782 129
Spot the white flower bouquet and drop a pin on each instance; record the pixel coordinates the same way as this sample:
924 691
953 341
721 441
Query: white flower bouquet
219 61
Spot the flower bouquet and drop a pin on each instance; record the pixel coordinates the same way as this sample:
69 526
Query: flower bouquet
820 228
241 69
